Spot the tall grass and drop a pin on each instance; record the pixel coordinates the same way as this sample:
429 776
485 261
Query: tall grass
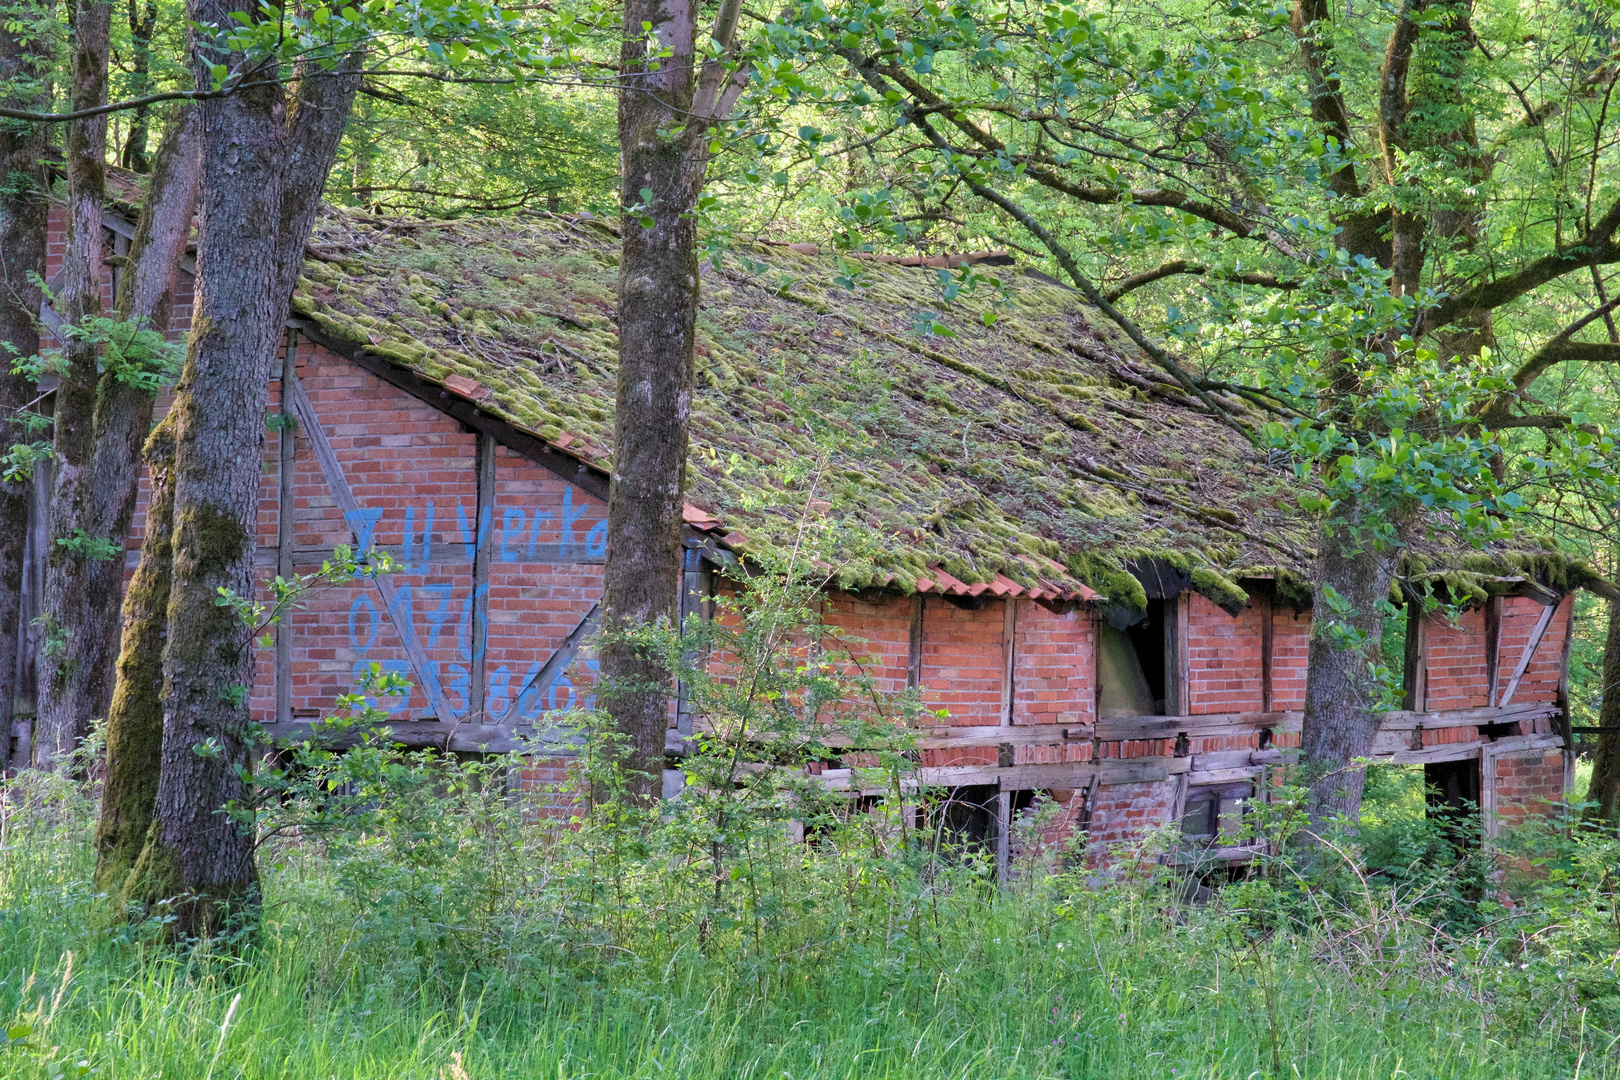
1059 976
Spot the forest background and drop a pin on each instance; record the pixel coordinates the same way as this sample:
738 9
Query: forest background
1390 227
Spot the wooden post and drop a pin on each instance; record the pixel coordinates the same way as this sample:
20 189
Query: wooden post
1416 678
1177 672
1563 722
697 580
1267 635
1003 835
1487 792
914 655
1493 646
287 447
1009 630
484 463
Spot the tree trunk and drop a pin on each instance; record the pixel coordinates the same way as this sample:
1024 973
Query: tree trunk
666 110
24 218
142 24
658 290
135 720
1605 786
135 713
265 160
1341 714
64 715
98 498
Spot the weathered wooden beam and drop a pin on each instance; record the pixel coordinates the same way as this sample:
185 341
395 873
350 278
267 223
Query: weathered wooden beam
1268 633
914 644
448 736
1493 647
286 506
1009 632
483 530
449 556
1415 678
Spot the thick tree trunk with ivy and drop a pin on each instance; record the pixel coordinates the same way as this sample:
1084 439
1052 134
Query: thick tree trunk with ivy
1341 698
24 211
665 106
135 719
94 502
64 716
1604 789
264 162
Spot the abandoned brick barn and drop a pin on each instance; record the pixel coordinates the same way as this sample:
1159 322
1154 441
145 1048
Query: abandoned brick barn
1105 588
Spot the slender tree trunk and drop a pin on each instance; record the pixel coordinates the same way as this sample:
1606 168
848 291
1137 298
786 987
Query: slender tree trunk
25 49
135 720
666 108
1605 787
142 24
96 498
64 716
265 162
1341 715
135 713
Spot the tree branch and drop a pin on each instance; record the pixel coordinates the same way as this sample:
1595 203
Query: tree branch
1597 247
1181 266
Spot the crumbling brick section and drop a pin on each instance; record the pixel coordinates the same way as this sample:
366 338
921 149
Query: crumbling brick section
1529 783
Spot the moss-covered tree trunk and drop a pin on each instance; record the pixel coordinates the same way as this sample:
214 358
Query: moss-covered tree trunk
124 417
25 45
1604 789
65 660
1341 698
264 164
135 719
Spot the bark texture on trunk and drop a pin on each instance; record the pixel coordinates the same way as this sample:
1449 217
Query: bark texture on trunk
1341 714
64 718
135 720
82 594
24 214
665 109
264 163
1605 786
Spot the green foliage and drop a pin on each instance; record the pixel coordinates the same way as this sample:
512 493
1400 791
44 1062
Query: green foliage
81 545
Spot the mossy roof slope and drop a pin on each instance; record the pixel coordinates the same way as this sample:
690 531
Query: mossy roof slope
1043 448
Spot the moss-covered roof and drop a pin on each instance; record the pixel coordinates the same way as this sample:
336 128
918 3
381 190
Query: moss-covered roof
1043 448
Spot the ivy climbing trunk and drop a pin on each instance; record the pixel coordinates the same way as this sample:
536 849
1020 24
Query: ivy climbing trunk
64 715
666 110
1604 789
25 46
1341 702
95 501
135 719
264 164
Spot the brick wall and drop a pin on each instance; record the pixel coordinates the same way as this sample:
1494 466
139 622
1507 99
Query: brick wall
1456 661
1527 783
1290 648
1223 658
1124 811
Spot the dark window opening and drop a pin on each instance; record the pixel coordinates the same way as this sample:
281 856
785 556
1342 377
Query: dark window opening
965 820
1131 665
1216 812
1452 791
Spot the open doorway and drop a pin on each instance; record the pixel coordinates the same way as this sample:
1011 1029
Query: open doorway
1131 665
